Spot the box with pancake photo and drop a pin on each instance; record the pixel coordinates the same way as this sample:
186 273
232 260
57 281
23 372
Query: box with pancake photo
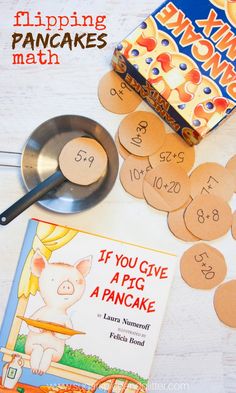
83 313
181 60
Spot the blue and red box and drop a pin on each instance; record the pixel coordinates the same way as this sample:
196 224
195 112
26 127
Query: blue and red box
182 61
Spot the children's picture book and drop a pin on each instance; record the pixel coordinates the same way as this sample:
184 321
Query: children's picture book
84 313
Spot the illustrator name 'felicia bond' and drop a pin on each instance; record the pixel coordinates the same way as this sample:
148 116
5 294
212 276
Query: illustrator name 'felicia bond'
126 321
130 340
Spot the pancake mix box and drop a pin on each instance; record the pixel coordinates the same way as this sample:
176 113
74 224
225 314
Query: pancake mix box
181 60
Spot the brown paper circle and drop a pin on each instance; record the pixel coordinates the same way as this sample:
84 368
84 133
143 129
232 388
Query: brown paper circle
122 151
175 151
203 267
132 174
142 133
83 161
231 166
208 217
166 187
234 226
225 303
177 225
212 178
116 95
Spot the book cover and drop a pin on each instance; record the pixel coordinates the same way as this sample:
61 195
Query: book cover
84 313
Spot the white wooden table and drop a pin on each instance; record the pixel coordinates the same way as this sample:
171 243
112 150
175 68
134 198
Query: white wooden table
195 351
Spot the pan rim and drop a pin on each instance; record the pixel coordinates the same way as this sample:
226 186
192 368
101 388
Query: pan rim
98 132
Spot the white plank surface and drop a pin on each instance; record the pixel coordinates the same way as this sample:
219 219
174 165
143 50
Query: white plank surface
195 351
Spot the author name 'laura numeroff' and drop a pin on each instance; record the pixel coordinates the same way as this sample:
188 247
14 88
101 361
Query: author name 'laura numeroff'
126 321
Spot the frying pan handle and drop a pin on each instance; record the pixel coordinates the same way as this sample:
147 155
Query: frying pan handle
32 196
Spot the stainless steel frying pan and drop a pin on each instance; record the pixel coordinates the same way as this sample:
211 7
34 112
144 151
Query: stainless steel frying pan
40 160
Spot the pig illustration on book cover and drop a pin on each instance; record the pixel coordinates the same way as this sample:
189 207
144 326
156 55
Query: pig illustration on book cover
60 285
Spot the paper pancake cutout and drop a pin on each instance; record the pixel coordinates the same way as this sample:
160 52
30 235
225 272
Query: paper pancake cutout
132 174
166 187
142 133
116 96
174 151
208 217
225 303
177 224
203 267
122 151
212 178
83 161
